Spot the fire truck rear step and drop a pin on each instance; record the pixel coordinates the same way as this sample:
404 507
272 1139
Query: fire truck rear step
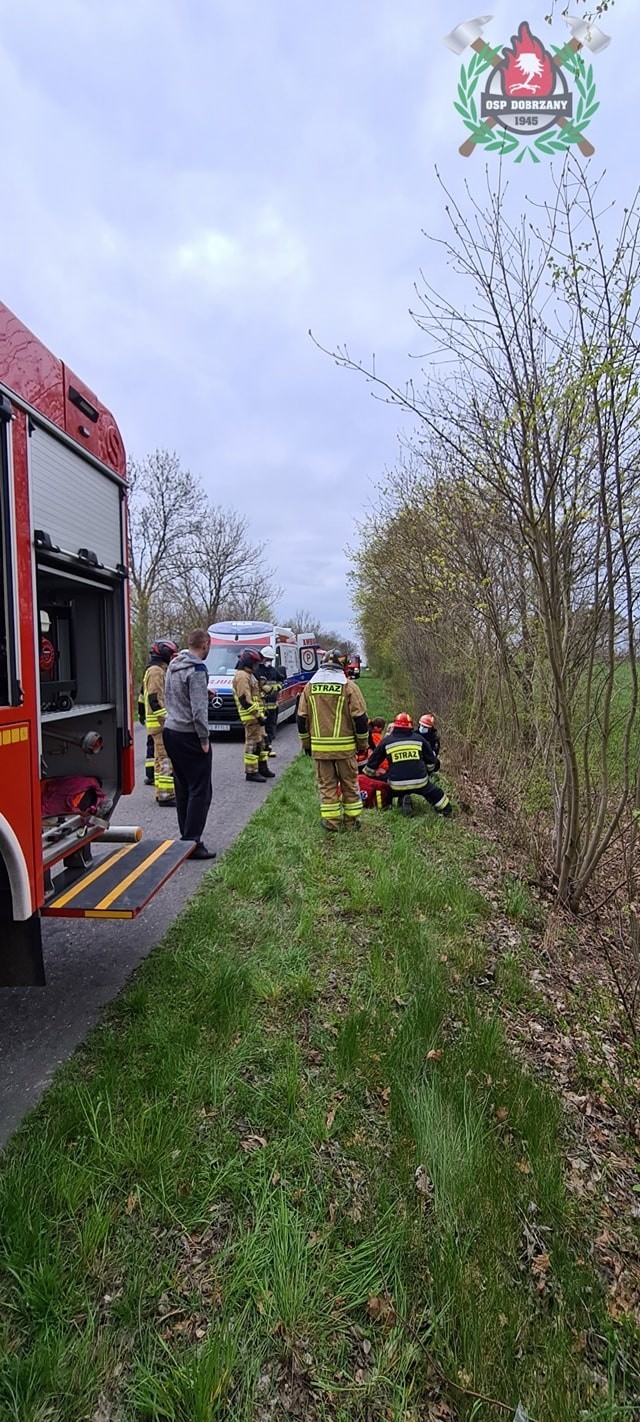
121 885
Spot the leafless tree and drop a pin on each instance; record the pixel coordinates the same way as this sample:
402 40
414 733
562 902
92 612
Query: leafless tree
165 506
303 621
220 569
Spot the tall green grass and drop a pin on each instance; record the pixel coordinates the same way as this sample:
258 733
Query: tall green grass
215 1212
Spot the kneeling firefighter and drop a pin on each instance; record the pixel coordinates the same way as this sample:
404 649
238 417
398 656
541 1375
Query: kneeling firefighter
333 726
246 693
407 774
162 652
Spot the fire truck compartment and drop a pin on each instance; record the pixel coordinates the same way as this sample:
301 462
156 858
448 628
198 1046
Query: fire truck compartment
121 884
82 676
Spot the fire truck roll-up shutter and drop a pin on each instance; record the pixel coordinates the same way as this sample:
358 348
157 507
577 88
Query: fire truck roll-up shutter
76 504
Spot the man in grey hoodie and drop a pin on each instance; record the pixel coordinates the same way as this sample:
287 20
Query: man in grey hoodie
186 737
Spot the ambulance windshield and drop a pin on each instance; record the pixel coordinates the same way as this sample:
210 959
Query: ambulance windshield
223 658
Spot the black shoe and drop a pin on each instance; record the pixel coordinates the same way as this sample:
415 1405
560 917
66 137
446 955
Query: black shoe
148 781
201 852
448 810
164 804
268 774
407 807
257 779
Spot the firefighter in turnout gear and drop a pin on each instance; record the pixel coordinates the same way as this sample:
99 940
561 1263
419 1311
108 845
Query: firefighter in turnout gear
270 675
333 726
246 693
407 775
149 757
162 652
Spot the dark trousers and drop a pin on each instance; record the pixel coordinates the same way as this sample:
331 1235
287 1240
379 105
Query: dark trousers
433 794
192 778
271 713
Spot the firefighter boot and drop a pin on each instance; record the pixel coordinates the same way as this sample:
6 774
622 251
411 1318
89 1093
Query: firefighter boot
257 778
407 807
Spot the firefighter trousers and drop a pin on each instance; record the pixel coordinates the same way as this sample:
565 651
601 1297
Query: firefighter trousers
339 791
162 770
271 713
255 748
433 794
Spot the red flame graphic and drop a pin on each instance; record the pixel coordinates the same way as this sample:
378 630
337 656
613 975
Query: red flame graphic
527 68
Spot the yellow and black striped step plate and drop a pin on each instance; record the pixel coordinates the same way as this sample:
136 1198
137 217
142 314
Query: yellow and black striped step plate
122 884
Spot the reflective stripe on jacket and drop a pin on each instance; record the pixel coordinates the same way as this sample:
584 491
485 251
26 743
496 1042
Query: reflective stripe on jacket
404 751
153 692
246 694
332 716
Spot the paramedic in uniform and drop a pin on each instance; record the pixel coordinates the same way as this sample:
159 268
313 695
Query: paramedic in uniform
333 725
246 693
155 712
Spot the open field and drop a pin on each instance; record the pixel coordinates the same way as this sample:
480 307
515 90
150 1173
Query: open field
297 1172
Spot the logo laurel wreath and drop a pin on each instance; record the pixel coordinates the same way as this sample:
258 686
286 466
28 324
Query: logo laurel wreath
546 143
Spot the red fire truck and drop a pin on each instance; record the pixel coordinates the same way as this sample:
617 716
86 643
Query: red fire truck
66 748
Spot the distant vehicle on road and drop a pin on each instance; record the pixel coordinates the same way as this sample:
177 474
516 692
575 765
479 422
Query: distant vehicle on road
297 653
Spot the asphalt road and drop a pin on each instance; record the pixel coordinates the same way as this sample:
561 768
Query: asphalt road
88 962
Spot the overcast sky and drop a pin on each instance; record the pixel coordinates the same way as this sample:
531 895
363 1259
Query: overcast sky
189 185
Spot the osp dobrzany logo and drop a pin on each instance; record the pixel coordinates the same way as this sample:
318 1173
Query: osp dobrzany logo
532 100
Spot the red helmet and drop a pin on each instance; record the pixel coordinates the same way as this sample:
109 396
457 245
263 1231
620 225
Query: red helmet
427 722
165 649
403 722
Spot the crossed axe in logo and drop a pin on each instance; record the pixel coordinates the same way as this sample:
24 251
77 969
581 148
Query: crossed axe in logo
468 35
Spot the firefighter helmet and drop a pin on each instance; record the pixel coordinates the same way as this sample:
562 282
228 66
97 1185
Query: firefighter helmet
427 723
249 658
268 653
334 658
403 722
165 649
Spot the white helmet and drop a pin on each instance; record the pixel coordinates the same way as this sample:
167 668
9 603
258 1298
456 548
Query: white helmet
269 653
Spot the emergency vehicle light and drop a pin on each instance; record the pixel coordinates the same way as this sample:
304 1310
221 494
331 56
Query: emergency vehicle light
83 404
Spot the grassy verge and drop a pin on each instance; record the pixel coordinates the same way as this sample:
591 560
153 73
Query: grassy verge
297 1173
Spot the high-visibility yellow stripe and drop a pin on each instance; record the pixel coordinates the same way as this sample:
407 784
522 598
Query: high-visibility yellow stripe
135 874
91 878
315 727
337 718
116 913
323 743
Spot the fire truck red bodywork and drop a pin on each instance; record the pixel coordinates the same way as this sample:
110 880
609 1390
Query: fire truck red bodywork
36 389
